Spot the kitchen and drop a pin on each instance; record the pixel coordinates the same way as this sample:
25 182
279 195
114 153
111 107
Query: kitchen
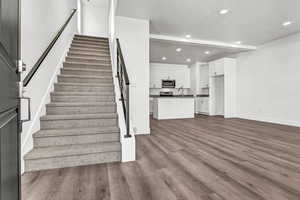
179 91
170 96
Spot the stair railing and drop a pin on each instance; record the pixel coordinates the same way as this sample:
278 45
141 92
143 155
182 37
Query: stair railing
124 87
39 62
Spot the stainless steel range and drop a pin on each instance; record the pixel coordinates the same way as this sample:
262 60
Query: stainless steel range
166 94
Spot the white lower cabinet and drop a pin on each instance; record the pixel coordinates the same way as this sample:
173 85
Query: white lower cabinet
151 105
202 105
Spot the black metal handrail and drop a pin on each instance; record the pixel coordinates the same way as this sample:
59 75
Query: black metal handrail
124 86
37 65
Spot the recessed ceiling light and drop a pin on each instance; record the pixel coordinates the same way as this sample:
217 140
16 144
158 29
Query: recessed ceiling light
164 58
178 49
207 52
287 23
238 42
223 11
188 60
188 36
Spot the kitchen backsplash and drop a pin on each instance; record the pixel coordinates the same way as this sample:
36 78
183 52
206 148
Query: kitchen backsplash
185 91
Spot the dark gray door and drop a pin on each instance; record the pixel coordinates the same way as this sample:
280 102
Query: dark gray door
9 102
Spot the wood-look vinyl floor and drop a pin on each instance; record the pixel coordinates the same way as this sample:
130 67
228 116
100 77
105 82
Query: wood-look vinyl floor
206 158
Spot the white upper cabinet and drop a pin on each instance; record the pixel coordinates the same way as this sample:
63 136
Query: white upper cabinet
179 73
212 68
216 68
219 66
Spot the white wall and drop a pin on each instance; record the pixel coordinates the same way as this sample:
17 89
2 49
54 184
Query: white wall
95 15
134 40
268 82
41 20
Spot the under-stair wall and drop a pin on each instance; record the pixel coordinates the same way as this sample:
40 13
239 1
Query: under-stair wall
134 36
128 144
35 39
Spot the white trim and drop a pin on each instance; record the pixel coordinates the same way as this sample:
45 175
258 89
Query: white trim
202 113
270 120
79 16
202 42
143 132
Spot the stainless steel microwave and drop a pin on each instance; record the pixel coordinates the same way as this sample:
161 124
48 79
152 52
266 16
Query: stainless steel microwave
168 84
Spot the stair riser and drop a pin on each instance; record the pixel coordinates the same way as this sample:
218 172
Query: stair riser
82 89
88 42
84 80
77 123
91 43
90 39
70 110
87 66
97 53
85 55
58 98
75 139
93 47
87 37
86 73
98 43
81 60
72 161
88 50
85 94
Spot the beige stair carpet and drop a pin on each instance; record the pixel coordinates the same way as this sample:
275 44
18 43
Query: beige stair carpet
80 126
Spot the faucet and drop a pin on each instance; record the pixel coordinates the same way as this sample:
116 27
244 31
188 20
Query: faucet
180 90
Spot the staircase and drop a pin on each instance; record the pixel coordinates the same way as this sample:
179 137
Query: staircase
80 126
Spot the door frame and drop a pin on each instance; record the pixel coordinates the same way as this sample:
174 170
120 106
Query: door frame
14 66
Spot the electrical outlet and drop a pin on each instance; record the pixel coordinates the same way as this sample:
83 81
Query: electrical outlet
134 130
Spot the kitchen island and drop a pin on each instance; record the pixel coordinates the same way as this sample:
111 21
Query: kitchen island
173 107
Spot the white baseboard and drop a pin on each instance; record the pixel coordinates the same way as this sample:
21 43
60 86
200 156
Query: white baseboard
128 149
202 113
271 120
143 132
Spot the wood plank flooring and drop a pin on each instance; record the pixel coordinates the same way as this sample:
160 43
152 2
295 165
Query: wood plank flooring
206 158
